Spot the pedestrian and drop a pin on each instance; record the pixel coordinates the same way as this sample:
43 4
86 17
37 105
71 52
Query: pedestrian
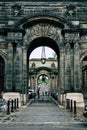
38 92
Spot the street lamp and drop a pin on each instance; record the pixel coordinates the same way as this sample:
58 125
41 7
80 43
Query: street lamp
43 56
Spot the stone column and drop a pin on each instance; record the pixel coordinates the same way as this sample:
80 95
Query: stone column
24 77
9 72
61 72
51 82
67 68
33 82
72 69
18 69
77 68
56 81
55 87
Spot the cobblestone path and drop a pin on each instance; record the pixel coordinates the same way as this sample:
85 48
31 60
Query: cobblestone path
42 110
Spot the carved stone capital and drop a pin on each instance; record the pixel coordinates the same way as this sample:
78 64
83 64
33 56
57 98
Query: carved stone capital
71 36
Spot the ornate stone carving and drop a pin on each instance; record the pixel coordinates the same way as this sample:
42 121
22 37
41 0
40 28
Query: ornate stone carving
16 10
72 37
76 46
14 36
3 45
71 10
42 30
67 48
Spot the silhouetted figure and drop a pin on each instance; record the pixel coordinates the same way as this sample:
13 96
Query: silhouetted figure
38 93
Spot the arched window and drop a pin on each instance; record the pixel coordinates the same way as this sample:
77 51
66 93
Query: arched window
2 69
52 65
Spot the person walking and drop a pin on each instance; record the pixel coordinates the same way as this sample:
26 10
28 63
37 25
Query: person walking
38 92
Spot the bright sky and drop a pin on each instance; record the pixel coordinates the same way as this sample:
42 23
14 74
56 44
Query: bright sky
37 52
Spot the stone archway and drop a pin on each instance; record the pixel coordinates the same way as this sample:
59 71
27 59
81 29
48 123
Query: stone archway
43 30
60 41
44 86
3 71
84 73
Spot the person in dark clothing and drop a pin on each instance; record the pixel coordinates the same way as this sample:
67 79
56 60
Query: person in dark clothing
38 93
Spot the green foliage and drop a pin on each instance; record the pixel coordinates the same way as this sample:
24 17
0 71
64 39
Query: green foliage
40 81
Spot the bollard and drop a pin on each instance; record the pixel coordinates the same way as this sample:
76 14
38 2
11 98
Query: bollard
71 108
8 107
67 104
12 106
17 103
74 107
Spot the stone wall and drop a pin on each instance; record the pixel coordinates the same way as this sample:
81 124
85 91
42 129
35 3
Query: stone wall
62 22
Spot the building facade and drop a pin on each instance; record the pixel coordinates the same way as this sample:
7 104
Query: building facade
43 76
60 25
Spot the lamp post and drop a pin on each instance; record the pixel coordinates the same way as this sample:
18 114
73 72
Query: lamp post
43 55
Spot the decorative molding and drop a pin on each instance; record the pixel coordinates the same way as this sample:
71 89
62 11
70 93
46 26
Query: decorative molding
43 30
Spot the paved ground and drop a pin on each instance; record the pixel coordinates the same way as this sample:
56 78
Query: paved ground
43 110
43 114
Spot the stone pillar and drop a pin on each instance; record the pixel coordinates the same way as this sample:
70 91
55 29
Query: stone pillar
77 68
52 82
55 87
56 81
24 77
61 72
31 82
67 68
18 69
9 72
72 69
34 82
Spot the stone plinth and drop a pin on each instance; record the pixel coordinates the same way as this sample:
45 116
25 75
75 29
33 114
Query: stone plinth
12 95
78 97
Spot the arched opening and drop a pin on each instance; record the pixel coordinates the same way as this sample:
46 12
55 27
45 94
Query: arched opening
43 84
84 75
43 41
43 76
2 71
43 79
